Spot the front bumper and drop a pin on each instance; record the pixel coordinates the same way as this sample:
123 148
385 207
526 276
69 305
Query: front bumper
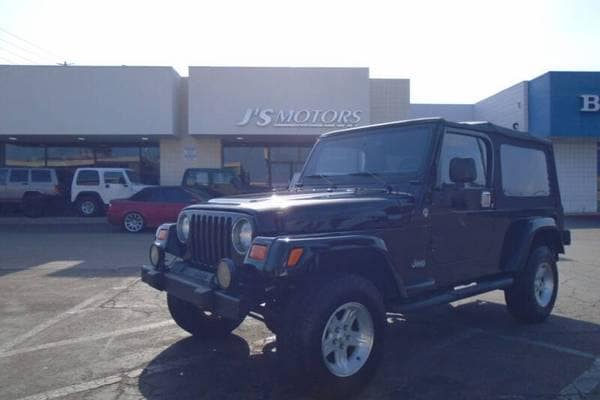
195 286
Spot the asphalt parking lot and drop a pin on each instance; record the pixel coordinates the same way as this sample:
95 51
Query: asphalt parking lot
76 323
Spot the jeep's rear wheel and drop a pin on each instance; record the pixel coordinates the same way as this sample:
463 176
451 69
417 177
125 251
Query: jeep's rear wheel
331 338
201 324
531 298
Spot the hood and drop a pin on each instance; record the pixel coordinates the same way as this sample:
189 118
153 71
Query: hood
319 211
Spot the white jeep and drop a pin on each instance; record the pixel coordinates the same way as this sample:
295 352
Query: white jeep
92 189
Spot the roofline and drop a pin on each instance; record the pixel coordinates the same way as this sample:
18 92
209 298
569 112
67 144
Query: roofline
482 126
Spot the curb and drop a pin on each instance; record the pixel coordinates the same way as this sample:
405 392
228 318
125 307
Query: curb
53 221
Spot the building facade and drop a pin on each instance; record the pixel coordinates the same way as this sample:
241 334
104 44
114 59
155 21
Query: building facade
261 121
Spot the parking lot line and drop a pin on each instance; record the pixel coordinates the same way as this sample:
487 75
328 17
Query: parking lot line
561 349
583 384
104 295
89 338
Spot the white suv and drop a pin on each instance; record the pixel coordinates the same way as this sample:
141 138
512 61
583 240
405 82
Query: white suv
93 188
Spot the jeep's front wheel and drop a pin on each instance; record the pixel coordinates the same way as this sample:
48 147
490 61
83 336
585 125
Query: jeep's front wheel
531 298
332 335
199 323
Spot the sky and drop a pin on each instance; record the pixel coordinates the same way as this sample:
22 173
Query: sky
457 51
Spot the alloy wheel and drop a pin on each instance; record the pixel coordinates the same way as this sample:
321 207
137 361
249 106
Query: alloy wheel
347 339
544 284
133 222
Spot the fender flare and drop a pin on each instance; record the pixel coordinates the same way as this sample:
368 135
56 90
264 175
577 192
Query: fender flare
90 194
315 247
519 239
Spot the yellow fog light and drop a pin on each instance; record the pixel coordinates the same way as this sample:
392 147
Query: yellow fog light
225 271
156 256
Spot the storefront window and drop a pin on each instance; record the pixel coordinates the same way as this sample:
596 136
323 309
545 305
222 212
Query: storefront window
144 161
265 166
24 156
150 165
119 157
70 157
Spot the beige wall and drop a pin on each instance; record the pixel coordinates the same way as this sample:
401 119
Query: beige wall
176 155
389 100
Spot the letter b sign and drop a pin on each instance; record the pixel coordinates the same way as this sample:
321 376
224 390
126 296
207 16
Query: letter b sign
591 102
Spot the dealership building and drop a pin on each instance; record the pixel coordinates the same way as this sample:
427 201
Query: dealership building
262 121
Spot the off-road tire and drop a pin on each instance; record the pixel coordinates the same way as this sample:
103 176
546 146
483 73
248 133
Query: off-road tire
521 299
300 333
198 322
83 201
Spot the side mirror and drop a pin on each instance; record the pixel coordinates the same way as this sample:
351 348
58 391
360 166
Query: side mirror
462 170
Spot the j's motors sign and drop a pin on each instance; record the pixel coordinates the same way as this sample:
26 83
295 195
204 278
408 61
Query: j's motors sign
305 118
590 103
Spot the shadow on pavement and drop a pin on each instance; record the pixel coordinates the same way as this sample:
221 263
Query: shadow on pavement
470 351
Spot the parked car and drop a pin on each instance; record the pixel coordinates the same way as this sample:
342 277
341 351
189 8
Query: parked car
384 218
217 182
151 207
92 189
33 189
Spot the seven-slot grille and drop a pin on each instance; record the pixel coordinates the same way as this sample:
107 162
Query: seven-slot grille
210 237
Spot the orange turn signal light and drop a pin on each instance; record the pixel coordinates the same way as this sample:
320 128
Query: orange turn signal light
162 234
258 252
294 256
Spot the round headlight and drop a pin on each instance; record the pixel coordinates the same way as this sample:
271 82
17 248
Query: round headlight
241 235
183 227
224 274
156 255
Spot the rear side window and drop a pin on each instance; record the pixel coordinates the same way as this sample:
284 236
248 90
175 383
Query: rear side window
88 178
524 171
19 175
3 176
114 177
463 146
40 175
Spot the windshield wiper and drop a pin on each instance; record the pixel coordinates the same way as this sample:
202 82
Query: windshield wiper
372 175
320 176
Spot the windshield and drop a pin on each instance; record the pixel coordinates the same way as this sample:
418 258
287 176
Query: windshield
133 176
383 156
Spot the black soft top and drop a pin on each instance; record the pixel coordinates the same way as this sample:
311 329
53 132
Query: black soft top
482 126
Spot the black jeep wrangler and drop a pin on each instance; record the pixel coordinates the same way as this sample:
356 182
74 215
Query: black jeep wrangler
384 218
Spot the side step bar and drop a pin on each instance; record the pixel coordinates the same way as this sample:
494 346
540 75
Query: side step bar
454 295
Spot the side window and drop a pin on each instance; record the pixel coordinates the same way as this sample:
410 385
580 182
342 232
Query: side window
19 175
114 177
40 175
515 160
88 178
3 176
463 146
194 178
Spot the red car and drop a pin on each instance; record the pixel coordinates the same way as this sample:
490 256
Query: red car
151 207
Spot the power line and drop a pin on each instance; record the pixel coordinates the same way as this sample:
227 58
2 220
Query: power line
28 42
17 55
38 55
